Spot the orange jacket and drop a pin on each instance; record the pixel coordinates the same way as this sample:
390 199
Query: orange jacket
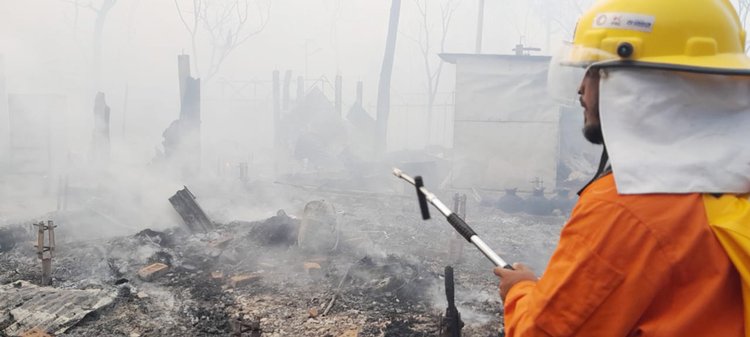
631 265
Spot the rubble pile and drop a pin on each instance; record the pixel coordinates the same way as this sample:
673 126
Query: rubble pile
378 274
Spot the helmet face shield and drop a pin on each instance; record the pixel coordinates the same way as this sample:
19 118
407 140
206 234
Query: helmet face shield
576 55
563 83
567 68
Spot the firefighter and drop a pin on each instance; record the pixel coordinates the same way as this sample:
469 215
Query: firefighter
665 91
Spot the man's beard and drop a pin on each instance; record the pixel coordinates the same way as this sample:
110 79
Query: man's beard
593 133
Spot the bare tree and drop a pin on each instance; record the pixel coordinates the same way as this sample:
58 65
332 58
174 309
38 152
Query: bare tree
225 24
431 42
384 85
101 11
559 16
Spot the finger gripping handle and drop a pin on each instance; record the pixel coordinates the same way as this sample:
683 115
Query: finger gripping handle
461 226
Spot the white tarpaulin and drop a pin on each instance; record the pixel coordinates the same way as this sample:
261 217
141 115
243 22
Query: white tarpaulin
506 127
670 132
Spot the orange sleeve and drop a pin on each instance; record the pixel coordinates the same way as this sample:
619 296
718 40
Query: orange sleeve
594 284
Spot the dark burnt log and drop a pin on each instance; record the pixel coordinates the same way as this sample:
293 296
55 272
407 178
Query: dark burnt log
192 214
280 230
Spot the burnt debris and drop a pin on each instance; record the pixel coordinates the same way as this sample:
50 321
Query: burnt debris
175 282
11 235
191 213
280 229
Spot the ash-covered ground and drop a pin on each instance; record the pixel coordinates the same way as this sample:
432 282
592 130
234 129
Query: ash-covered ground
377 272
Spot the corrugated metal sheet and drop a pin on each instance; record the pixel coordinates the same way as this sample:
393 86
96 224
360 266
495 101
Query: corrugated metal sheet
50 309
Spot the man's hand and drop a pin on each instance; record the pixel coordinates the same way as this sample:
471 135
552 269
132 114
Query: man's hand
508 278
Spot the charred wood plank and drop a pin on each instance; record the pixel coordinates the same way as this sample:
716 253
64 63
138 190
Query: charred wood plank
192 214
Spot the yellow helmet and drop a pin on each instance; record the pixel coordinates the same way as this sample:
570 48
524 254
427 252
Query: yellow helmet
703 36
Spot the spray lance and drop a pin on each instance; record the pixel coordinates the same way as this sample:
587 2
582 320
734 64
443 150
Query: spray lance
423 195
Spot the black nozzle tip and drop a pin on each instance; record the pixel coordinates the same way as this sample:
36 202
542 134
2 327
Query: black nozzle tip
625 50
422 198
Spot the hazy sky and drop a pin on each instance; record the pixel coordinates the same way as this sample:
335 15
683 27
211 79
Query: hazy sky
47 43
143 37
47 46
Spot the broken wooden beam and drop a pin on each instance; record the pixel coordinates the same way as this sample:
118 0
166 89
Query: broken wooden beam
191 213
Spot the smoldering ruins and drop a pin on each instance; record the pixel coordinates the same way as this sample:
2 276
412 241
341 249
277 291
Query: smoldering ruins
223 168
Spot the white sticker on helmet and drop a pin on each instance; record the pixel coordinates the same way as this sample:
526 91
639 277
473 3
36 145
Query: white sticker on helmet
629 21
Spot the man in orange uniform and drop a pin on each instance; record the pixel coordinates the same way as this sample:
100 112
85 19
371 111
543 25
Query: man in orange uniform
637 256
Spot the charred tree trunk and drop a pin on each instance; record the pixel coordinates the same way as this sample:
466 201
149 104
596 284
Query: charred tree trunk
100 147
190 120
182 139
101 17
384 86
183 72
287 84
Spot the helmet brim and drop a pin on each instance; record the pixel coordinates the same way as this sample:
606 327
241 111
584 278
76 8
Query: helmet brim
722 64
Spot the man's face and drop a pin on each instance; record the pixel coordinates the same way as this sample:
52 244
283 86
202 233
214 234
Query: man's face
589 97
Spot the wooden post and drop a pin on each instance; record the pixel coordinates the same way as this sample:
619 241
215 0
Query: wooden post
300 88
287 84
100 146
45 252
337 96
